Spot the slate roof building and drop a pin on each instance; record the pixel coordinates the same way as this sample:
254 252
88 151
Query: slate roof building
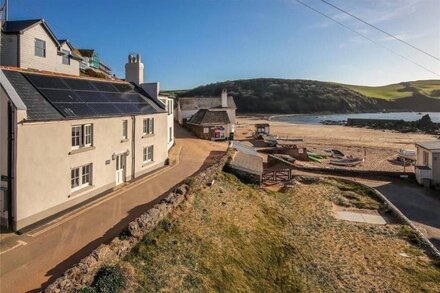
208 117
31 44
66 140
211 124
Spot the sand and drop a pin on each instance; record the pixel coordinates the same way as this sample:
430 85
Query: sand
380 146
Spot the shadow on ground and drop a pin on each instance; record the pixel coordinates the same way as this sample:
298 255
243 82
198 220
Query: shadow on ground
116 230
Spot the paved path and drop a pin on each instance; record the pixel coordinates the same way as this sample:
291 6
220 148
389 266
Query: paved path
420 205
42 255
360 217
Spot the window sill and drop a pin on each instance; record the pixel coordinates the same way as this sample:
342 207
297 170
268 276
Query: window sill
79 191
147 163
124 140
148 135
81 150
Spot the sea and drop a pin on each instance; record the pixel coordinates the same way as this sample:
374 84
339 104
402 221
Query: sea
317 119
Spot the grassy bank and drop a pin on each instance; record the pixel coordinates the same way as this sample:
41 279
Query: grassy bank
233 237
429 88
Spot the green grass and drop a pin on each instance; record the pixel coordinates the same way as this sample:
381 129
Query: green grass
236 238
429 88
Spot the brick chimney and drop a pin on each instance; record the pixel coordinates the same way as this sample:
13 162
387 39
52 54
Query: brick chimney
134 69
224 98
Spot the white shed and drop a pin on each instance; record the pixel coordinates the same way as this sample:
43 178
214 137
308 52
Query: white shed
428 163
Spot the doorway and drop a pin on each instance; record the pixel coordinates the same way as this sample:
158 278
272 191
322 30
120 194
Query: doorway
120 169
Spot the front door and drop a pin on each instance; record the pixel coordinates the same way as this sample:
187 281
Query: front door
120 169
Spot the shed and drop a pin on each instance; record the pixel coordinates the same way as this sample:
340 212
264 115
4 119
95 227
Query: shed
428 163
262 129
247 167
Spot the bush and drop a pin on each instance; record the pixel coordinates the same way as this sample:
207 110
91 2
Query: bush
86 289
109 279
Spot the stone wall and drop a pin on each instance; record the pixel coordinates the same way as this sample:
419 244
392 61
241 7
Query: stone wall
82 274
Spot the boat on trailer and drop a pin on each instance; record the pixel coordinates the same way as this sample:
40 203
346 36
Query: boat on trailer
406 155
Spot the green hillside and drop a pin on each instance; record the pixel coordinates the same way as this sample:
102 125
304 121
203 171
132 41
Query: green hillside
428 88
288 96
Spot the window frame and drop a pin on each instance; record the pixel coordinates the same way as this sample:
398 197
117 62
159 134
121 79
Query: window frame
83 137
124 129
37 48
148 154
66 57
83 177
425 158
148 126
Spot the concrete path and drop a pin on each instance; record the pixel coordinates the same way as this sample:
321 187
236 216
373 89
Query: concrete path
32 260
360 217
420 205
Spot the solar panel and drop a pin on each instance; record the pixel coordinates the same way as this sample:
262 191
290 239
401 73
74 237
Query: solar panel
46 81
105 86
60 96
124 98
104 108
75 109
132 108
88 98
123 87
94 97
79 84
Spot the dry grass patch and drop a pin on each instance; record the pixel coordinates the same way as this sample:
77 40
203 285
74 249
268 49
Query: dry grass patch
237 238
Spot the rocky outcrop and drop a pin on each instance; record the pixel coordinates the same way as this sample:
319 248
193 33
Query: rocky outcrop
82 274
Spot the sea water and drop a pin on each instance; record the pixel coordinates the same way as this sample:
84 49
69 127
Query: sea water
317 119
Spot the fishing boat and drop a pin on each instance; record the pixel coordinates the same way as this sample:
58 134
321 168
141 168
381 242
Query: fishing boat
408 155
347 162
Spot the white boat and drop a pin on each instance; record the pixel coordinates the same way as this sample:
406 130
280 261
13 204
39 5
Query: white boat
347 162
406 155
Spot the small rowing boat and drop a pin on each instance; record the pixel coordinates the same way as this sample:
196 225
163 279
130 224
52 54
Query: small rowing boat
347 162
408 155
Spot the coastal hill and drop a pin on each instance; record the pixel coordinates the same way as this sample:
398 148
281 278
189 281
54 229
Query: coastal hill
273 95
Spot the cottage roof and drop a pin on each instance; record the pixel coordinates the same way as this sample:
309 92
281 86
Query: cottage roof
210 117
87 52
20 26
430 145
58 97
196 103
247 163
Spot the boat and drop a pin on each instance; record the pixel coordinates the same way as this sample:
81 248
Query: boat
347 162
409 155
314 159
335 153
271 140
317 155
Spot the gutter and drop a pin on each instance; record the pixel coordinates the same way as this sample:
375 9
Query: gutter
133 145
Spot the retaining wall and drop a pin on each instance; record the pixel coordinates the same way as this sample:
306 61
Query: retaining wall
432 250
82 274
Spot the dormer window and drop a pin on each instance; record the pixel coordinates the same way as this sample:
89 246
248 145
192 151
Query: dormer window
66 57
40 48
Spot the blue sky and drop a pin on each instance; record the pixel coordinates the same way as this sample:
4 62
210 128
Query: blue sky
185 43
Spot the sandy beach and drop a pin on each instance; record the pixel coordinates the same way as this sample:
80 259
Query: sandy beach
380 145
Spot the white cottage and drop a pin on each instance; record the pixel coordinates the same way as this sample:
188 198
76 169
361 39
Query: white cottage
31 44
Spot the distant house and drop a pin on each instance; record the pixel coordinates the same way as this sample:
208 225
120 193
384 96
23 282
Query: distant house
208 117
31 44
211 124
92 61
428 163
